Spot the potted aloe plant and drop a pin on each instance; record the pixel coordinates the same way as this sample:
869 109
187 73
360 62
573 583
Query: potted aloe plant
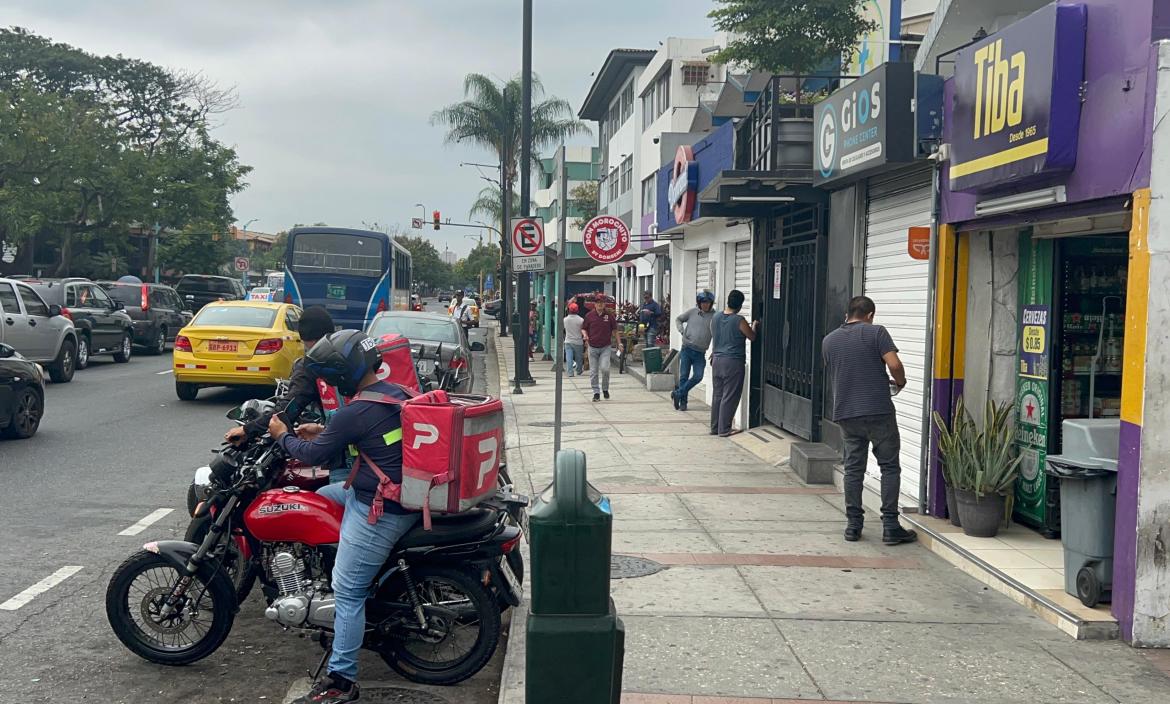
981 465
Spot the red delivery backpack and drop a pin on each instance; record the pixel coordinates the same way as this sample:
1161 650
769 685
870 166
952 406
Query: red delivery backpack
397 362
397 368
451 448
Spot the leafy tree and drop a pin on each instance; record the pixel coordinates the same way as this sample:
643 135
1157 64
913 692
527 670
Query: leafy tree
483 259
195 250
490 116
430 270
489 205
584 198
92 146
796 36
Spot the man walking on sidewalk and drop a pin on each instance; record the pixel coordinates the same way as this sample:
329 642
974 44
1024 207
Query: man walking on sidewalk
857 355
600 333
695 326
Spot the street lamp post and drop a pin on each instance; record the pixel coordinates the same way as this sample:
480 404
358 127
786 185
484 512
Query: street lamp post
244 273
523 375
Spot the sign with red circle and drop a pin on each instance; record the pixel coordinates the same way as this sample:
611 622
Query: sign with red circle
527 236
684 184
606 238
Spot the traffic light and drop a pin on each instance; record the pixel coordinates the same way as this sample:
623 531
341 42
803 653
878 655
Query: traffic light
435 219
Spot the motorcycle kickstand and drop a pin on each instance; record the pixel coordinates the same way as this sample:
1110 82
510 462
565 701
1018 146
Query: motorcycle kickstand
321 665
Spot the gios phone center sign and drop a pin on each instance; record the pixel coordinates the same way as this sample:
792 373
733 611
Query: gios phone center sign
865 126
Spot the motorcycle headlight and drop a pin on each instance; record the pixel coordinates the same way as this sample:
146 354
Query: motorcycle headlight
202 483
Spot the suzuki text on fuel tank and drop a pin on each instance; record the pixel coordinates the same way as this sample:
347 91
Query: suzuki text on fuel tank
433 612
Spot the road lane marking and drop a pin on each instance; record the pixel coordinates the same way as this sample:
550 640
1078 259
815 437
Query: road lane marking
165 371
40 588
151 518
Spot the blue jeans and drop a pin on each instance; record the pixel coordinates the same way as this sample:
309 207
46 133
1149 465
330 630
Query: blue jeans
691 364
360 554
574 358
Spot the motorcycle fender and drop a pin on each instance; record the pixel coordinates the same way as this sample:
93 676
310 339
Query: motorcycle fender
504 585
178 553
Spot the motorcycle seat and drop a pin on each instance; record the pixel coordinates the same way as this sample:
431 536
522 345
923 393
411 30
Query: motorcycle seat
449 529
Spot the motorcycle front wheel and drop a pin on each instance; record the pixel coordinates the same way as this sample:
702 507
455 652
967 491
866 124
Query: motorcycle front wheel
192 630
464 629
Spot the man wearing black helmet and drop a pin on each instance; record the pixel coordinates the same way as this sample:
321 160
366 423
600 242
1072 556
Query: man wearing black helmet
315 324
349 360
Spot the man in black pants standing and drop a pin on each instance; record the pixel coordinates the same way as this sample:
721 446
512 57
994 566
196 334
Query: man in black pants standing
857 355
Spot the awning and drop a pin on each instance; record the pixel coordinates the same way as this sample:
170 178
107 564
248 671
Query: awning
752 193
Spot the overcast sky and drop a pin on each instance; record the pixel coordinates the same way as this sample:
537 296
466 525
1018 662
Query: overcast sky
336 95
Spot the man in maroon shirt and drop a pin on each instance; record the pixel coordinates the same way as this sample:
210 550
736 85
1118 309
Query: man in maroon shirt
600 333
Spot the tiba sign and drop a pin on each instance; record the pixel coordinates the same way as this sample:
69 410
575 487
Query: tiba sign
1017 101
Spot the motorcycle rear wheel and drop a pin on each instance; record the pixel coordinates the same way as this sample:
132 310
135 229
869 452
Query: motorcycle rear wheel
446 590
139 586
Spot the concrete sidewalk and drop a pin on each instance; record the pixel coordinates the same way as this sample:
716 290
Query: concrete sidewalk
760 598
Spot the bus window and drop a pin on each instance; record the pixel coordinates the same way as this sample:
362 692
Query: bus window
342 254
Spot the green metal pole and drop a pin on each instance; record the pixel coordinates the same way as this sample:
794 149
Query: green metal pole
558 313
546 332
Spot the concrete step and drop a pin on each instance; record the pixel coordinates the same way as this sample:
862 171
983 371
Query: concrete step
813 462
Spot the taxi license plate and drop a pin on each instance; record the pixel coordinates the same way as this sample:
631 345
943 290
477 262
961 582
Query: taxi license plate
223 346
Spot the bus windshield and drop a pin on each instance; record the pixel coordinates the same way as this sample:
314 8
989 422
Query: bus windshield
335 253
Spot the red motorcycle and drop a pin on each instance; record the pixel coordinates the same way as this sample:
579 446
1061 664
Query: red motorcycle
433 613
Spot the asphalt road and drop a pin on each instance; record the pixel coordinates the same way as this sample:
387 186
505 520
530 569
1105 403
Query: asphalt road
115 447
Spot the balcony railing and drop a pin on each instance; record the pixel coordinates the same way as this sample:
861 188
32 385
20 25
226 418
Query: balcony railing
776 136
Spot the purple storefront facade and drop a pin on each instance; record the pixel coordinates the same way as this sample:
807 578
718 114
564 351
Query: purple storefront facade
1107 172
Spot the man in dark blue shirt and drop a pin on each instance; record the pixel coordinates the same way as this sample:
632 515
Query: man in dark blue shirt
648 314
349 360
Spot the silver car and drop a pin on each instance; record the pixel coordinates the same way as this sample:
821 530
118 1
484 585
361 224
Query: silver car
37 330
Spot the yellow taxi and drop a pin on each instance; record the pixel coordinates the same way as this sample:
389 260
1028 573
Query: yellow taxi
237 343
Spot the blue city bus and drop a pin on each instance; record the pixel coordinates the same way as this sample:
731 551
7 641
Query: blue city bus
354 274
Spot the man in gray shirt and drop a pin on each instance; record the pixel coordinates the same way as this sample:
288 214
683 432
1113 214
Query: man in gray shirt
695 326
857 355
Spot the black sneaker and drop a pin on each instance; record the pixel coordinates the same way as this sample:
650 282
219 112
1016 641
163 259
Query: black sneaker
682 406
853 533
677 403
897 535
333 689
605 394
597 397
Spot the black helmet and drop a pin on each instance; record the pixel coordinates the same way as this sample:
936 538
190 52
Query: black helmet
343 358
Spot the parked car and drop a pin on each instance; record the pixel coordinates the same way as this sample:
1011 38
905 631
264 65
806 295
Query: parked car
198 290
492 308
426 332
103 326
156 311
237 343
22 394
37 330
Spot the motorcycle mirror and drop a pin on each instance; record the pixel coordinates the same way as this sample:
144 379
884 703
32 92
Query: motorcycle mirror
236 414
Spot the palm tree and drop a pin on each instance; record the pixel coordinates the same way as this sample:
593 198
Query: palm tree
489 116
489 204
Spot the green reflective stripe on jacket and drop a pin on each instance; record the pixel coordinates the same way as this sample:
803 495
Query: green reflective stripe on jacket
393 436
351 450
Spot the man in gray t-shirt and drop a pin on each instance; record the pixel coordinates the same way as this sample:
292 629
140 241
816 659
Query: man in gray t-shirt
857 355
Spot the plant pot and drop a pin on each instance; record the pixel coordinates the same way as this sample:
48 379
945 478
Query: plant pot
980 516
952 506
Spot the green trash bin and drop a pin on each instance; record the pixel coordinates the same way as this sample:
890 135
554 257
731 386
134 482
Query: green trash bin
576 642
652 359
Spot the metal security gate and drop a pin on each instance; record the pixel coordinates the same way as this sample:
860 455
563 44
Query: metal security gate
791 336
742 278
702 270
898 284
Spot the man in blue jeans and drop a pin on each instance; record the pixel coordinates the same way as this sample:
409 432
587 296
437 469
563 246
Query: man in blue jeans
695 326
349 360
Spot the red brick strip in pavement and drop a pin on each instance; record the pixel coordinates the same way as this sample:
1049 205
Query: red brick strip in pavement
692 559
658 489
639 698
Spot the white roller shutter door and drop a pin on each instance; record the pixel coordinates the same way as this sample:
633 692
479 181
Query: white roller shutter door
898 286
702 270
743 275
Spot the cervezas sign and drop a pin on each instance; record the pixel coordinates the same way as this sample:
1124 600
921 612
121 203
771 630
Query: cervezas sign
1017 101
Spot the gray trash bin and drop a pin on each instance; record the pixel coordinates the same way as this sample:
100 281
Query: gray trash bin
1088 502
